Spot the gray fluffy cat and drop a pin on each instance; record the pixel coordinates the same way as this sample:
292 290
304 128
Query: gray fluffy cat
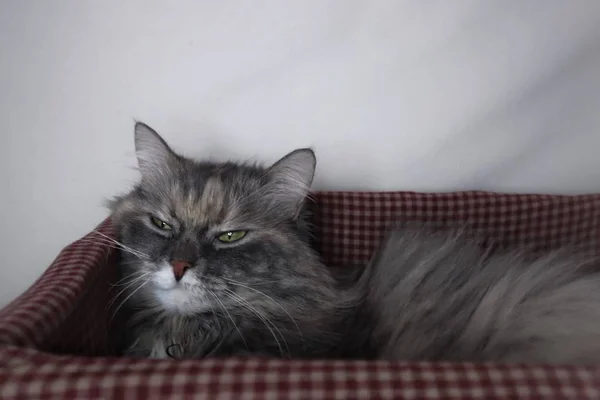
216 262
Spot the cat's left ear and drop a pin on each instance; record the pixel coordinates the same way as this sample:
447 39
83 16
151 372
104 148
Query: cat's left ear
290 179
154 154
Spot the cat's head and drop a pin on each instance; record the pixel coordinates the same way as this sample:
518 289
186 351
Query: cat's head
205 235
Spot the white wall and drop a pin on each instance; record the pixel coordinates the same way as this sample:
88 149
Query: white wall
423 95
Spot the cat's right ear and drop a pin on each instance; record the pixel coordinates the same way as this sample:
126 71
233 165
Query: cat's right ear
153 154
290 179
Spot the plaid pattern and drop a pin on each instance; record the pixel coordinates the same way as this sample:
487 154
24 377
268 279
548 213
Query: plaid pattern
349 225
65 310
55 340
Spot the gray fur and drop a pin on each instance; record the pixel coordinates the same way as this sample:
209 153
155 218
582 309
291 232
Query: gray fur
266 294
441 296
424 296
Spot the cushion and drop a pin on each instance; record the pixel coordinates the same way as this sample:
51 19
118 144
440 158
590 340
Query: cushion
56 338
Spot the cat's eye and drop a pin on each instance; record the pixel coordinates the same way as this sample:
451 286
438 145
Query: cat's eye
231 236
160 224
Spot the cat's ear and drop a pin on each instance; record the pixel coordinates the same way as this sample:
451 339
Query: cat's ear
290 179
153 154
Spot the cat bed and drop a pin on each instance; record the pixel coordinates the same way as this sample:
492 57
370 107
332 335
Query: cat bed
55 339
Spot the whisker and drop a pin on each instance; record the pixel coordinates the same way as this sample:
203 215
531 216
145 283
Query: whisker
113 245
215 313
229 315
128 297
235 283
129 262
99 241
128 285
262 318
265 282
119 243
124 281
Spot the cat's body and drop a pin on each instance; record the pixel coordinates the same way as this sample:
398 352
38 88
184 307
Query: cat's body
219 264
444 297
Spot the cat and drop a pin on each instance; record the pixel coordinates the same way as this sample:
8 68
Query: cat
216 262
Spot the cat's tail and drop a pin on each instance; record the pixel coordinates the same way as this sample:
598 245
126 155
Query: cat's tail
444 296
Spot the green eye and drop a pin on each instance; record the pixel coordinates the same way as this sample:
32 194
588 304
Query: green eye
160 224
232 236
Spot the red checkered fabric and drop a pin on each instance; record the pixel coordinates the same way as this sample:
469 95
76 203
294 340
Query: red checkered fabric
55 339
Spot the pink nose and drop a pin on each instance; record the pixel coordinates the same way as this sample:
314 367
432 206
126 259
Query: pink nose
179 268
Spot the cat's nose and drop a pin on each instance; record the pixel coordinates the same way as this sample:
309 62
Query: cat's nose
179 268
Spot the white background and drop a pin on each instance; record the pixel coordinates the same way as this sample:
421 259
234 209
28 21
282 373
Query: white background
394 95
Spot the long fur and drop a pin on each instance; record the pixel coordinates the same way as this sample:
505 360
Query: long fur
425 296
442 296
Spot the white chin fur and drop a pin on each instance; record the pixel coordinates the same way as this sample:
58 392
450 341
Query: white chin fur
184 297
164 278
